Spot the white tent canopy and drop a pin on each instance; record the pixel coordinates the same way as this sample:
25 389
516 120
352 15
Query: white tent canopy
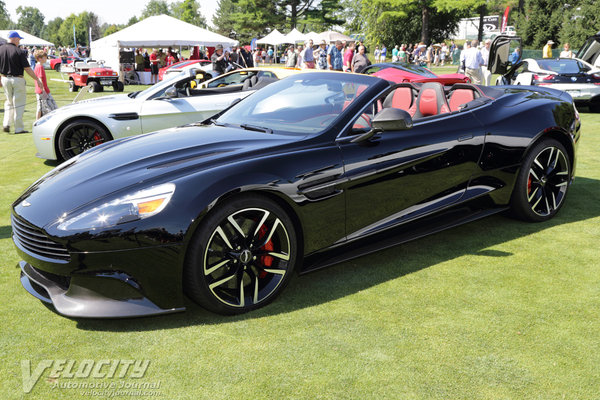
332 36
295 36
316 38
274 38
156 31
29 40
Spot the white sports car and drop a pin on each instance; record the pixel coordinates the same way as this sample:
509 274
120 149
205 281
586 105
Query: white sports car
579 76
72 129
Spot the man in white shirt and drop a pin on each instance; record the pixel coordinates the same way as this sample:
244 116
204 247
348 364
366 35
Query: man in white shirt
473 61
485 53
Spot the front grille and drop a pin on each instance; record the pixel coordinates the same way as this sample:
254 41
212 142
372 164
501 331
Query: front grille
36 242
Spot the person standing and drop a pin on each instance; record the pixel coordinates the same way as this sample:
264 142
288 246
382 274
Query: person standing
473 61
547 51
485 53
45 101
334 57
395 53
309 57
360 60
219 60
383 54
566 53
291 57
13 61
154 66
322 55
348 55
377 54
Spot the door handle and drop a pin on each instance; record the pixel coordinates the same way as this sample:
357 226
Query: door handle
465 137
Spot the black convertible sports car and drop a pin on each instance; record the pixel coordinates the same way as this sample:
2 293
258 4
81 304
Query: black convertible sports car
311 170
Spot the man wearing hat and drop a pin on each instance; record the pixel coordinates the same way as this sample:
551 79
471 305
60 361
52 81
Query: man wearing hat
219 60
13 61
547 51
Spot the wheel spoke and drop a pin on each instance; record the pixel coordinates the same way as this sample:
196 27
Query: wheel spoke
537 201
233 223
271 232
262 221
241 283
221 281
562 184
219 230
554 200
282 256
533 194
215 267
532 172
275 271
547 205
255 297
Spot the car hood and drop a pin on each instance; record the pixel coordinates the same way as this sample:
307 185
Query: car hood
114 102
115 168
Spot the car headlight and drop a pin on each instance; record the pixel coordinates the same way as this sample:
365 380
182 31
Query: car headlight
43 119
142 204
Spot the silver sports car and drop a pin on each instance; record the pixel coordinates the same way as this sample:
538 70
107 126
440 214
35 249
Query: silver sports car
187 98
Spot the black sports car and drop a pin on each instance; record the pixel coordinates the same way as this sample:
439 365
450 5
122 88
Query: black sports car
309 171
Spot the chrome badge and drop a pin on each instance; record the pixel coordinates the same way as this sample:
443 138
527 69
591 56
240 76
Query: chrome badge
574 79
25 203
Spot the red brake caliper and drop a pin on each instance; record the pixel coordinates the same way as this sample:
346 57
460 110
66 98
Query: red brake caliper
97 138
266 261
529 184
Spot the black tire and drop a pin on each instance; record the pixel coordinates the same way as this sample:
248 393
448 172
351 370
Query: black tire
95 87
241 256
57 67
542 183
120 87
80 135
73 87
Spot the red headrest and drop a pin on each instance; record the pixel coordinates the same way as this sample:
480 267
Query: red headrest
431 100
460 96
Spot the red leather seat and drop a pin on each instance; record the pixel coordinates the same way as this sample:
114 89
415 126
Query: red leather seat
431 100
402 98
459 97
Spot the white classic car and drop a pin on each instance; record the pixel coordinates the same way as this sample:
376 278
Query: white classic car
187 98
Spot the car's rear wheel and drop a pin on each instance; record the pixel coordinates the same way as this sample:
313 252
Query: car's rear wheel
241 256
543 182
95 87
80 135
57 67
73 87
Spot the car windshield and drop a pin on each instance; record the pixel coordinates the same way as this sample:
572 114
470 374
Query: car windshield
563 66
301 104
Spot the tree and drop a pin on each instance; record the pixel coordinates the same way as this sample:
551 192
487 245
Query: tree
223 19
133 20
50 32
31 20
111 29
188 11
82 23
155 7
580 22
5 22
542 22
254 18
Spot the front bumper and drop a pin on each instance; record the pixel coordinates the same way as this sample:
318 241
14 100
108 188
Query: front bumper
133 282
43 138
81 302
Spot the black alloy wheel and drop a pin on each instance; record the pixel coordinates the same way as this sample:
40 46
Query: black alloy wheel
543 182
241 256
79 136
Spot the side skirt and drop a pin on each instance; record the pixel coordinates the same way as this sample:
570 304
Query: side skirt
414 230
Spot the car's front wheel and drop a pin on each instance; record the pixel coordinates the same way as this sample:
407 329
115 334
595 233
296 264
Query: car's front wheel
241 256
80 135
94 87
543 182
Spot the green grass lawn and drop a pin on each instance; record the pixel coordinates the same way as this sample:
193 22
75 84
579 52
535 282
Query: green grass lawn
496 309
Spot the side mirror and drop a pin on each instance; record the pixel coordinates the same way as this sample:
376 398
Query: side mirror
392 119
171 93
